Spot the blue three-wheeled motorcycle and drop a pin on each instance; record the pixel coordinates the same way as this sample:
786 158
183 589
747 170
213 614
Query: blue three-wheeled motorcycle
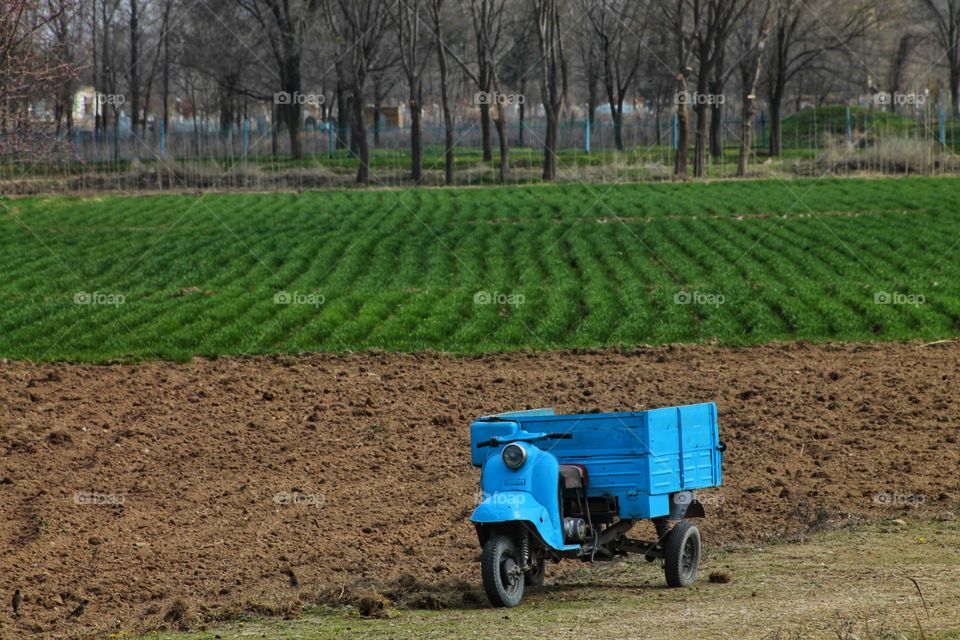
573 486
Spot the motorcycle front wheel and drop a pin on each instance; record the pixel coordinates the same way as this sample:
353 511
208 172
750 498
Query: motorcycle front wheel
502 573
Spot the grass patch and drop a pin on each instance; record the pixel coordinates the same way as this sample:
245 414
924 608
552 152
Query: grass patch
854 582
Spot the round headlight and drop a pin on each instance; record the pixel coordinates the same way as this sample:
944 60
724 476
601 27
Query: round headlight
514 456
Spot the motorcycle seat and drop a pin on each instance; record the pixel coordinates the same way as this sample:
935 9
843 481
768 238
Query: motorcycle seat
573 476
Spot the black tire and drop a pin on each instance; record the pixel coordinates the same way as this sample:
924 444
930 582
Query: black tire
500 568
534 577
681 554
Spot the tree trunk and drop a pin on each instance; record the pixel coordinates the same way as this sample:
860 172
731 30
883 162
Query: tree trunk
165 90
746 133
274 121
416 137
485 130
593 97
343 112
776 103
550 145
360 137
445 104
292 120
70 99
522 112
716 109
95 73
351 118
501 125
616 112
134 66
291 110
116 135
955 89
716 130
683 141
377 109
700 140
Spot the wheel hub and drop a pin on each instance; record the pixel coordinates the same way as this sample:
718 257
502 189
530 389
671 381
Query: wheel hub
511 572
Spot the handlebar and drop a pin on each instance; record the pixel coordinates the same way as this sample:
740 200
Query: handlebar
493 442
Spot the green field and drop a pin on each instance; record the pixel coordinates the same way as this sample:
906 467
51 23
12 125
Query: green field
471 270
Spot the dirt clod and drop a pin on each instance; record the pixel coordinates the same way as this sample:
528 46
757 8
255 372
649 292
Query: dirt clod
373 606
180 615
721 577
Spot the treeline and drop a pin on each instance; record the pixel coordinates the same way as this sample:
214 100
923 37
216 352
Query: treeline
227 60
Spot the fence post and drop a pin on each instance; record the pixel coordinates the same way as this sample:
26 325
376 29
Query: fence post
246 137
76 142
163 140
674 125
849 126
943 127
586 135
331 139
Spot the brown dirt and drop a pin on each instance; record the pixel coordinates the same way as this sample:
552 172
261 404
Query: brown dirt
259 484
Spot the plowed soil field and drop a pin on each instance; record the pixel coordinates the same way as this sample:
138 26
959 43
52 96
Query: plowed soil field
174 495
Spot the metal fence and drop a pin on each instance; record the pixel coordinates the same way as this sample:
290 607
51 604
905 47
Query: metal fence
255 155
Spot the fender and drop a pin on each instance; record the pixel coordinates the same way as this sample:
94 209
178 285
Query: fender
522 508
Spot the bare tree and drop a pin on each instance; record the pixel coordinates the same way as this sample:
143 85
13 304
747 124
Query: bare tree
590 69
285 23
108 104
944 25
617 27
64 24
553 82
710 37
27 70
414 55
906 44
751 39
384 81
133 71
361 25
487 18
165 27
436 8
515 63
803 33
681 22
